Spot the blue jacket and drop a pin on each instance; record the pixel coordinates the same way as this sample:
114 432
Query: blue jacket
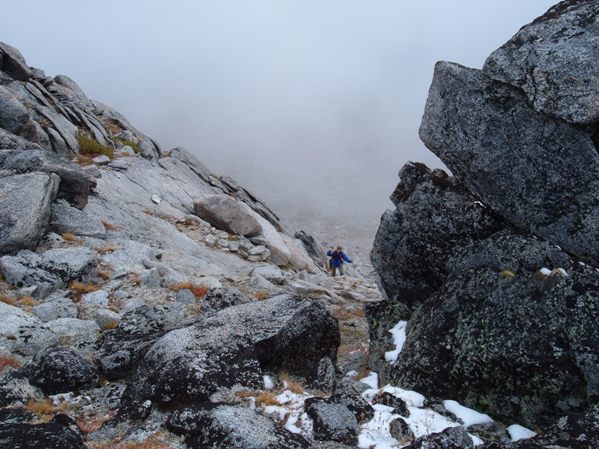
337 258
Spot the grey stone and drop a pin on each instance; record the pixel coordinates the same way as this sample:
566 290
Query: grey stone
54 308
26 269
13 63
227 214
332 421
258 283
101 160
554 61
15 388
348 393
25 202
151 278
232 347
10 141
271 273
185 296
314 249
220 298
69 263
65 218
81 334
106 318
232 427
60 370
14 116
186 157
400 430
90 303
450 438
324 376
21 332
539 173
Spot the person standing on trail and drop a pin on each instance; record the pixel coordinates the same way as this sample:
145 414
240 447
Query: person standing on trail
337 258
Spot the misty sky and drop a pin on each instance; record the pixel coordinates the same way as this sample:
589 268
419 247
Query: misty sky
313 105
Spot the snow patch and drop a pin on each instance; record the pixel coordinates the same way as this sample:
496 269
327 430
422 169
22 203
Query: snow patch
425 421
372 380
399 338
468 416
517 432
268 383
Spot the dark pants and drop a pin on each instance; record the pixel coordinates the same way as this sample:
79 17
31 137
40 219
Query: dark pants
334 269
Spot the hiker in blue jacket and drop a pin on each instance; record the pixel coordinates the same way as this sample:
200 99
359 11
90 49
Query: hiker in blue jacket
337 258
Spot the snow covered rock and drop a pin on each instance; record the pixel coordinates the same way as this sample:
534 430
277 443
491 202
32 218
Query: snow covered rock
227 214
229 426
234 346
60 370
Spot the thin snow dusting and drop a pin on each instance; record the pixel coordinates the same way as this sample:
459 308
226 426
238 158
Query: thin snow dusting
468 416
517 432
399 338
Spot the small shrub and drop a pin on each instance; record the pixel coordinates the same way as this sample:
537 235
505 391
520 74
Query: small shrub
70 237
106 248
94 423
87 145
8 361
27 301
130 143
6 299
80 288
266 398
110 227
261 295
199 290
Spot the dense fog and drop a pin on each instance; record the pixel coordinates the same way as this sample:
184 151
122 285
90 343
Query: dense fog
313 105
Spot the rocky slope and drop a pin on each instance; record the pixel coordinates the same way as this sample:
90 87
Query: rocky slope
141 294
496 268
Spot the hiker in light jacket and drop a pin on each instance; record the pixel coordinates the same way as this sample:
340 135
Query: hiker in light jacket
337 258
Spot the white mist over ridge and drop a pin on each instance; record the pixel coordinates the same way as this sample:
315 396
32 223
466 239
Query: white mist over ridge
314 106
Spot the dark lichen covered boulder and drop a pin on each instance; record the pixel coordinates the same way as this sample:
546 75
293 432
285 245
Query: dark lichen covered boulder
222 426
517 342
62 369
234 347
60 433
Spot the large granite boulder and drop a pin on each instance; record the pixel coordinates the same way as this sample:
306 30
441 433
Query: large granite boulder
25 202
539 173
22 332
234 346
224 212
62 369
554 61
505 337
222 426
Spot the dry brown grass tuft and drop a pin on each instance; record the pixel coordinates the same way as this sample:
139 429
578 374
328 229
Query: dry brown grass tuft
151 443
110 227
290 384
70 237
105 275
79 288
94 423
6 299
199 290
1 276
261 295
106 248
266 398
113 324
8 361
27 301
46 409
